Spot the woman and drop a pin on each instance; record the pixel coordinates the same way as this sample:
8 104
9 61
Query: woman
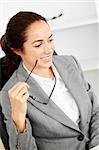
47 104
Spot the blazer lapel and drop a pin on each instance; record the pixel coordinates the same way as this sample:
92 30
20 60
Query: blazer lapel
41 100
73 82
53 111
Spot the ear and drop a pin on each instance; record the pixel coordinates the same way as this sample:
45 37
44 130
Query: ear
17 51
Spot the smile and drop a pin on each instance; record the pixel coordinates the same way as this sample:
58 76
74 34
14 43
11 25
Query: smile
46 58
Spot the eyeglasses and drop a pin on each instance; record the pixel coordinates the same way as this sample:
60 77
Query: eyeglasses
53 85
31 71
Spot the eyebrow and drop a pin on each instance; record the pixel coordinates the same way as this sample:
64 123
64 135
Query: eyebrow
42 40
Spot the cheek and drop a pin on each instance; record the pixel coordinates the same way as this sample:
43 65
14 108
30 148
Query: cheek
33 55
27 56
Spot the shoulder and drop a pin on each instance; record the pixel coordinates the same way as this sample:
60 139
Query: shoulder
67 59
14 78
4 99
10 82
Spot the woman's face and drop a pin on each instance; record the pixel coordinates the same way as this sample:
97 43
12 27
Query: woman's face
38 46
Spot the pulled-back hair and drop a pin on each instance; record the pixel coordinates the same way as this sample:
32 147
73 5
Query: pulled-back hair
15 36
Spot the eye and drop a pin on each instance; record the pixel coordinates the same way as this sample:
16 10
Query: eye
37 45
50 40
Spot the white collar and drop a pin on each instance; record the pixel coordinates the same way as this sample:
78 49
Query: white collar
44 78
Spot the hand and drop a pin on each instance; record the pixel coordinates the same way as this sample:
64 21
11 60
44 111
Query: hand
18 96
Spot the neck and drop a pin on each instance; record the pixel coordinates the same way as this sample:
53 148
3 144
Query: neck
45 72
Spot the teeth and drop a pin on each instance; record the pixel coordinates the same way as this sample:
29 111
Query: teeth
45 58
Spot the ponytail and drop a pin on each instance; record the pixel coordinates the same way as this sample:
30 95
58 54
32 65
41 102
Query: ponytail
11 60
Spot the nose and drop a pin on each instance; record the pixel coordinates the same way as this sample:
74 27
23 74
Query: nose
47 48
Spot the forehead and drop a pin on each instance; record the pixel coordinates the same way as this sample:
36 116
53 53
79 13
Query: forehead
38 29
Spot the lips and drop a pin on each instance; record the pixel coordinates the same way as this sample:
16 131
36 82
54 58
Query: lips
46 58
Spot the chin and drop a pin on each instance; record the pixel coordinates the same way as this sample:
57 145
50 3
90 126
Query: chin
47 65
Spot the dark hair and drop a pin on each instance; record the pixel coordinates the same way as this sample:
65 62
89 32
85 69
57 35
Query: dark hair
15 36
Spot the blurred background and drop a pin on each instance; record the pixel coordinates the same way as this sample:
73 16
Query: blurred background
75 25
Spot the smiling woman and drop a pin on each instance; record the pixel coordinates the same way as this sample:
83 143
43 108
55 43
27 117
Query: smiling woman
47 104
38 46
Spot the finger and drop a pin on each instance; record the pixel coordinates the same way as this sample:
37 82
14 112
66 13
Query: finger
22 98
19 92
19 84
16 88
22 91
25 96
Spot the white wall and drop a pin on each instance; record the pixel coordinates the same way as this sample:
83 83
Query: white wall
75 12
80 41
76 32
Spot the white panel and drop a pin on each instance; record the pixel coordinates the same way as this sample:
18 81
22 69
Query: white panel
97 8
80 41
74 12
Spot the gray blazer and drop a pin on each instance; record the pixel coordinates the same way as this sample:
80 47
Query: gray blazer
48 128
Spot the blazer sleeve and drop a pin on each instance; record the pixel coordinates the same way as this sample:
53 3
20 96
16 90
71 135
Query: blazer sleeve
19 141
94 122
